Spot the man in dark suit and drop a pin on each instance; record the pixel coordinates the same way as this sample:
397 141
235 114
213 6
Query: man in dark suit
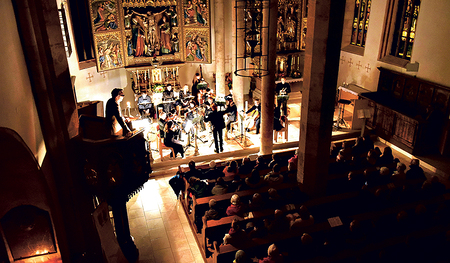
216 119
114 120
282 91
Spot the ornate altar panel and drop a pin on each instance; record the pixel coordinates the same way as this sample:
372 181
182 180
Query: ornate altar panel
143 32
289 24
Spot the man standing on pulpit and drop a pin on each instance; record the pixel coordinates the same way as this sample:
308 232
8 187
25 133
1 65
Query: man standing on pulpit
114 119
145 105
282 91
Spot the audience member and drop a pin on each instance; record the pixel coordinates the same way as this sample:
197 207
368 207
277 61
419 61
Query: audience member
235 236
212 213
273 255
213 172
275 160
359 150
280 223
398 178
293 161
236 207
241 257
193 172
303 220
259 230
260 164
257 202
415 171
198 188
274 177
236 184
386 159
368 143
290 176
275 199
232 169
220 187
255 180
246 166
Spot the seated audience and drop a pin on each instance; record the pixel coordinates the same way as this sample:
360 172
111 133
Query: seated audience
198 188
220 187
213 172
193 171
236 207
257 202
235 236
232 169
275 160
290 176
280 223
304 219
275 200
273 255
398 178
255 180
274 177
293 161
359 150
386 158
259 230
260 164
212 213
415 171
368 143
246 166
236 184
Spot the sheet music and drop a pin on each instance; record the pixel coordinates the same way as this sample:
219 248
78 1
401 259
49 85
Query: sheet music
335 221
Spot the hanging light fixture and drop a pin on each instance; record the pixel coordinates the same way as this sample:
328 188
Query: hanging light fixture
252 31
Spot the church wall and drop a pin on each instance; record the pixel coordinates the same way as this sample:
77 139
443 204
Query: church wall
17 107
430 48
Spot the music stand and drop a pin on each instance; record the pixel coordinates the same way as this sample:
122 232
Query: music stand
340 119
242 137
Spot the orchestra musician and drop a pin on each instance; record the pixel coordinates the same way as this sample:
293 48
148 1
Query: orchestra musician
114 119
216 119
282 91
170 141
168 99
257 115
231 111
195 89
145 105
183 99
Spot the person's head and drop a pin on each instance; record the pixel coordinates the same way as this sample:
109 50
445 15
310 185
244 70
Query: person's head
276 168
186 88
401 167
220 181
259 160
304 213
191 165
256 102
245 160
235 223
283 80
117 94
273 193
169 125
212 203
233 164
355 226
257 197
273 251
415 162
387 151
275 157
169 87
240 257
214 107
306 239
235 199
384 171
197 75
212 164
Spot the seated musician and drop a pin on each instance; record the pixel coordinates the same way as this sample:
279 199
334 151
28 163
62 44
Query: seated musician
183 98
170 141
145 105
162 123
168 98
256 107
231 111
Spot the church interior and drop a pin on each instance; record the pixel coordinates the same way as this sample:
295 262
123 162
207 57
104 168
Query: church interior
224 131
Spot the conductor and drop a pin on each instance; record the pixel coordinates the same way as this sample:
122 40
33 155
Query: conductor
216 119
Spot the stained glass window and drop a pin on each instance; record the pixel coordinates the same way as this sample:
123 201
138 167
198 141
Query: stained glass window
360 22
405 28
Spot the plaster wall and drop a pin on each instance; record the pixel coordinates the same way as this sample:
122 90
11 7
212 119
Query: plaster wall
430 48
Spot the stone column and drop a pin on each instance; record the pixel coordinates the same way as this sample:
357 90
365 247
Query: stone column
322 52
219 29
268 82
238 82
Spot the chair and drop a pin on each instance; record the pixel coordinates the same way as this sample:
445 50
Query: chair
234 128
162 147
283 131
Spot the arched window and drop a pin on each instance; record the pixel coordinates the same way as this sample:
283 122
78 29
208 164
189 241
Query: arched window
399 31
360 22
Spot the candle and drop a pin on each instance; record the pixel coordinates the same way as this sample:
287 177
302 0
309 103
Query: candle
246 106
137 73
